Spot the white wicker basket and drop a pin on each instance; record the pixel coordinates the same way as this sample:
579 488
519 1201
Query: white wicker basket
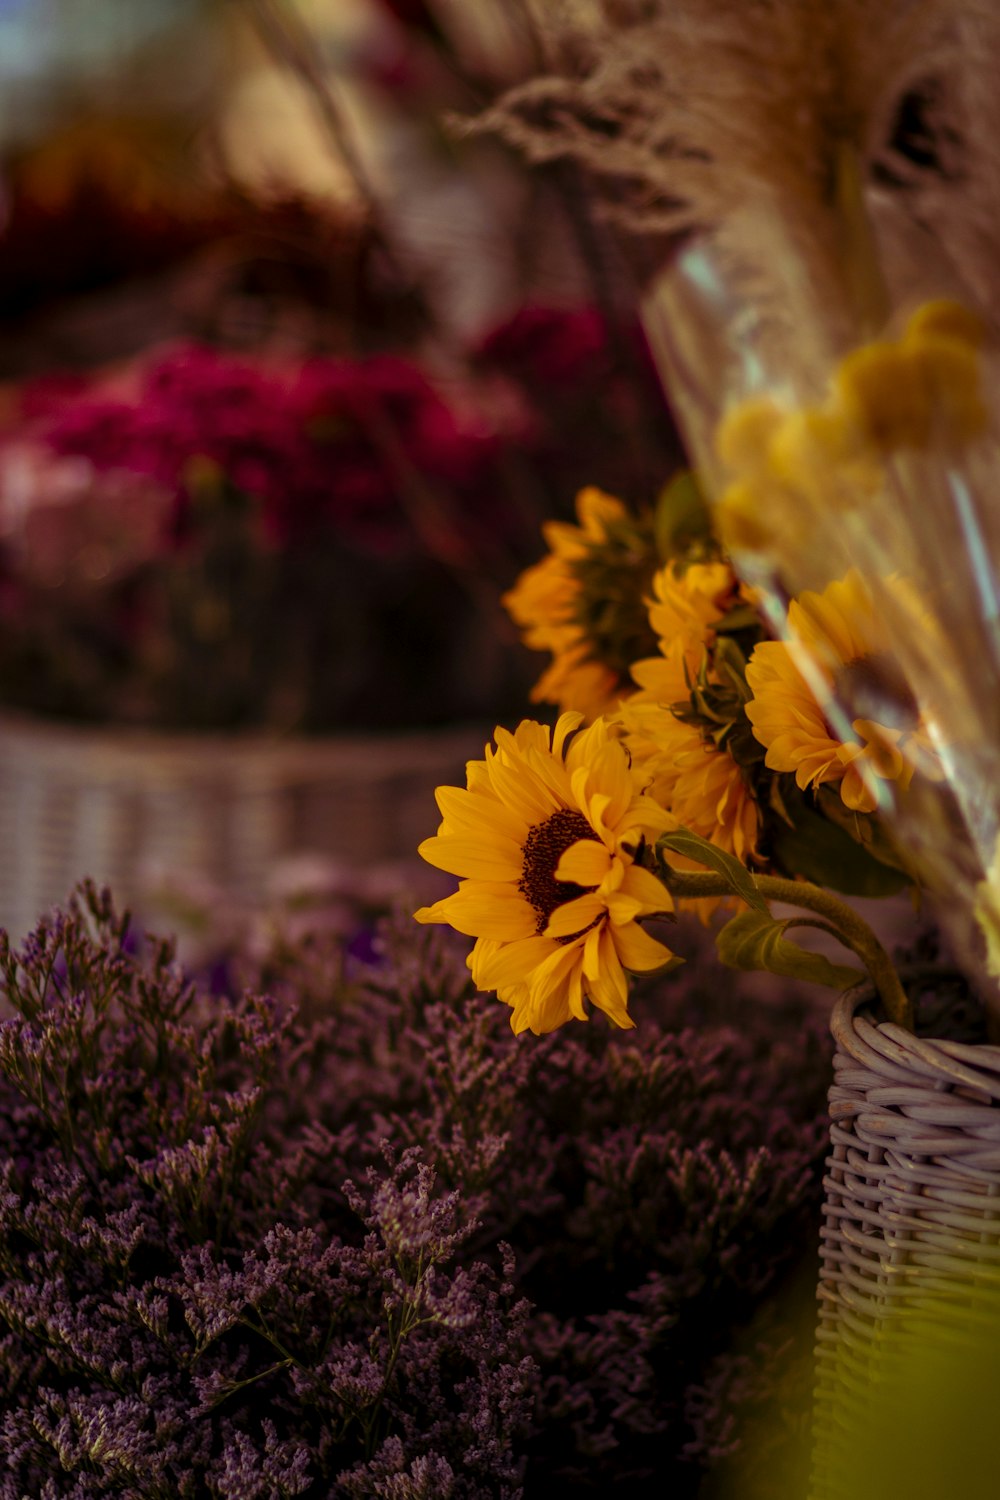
910 1274
117 804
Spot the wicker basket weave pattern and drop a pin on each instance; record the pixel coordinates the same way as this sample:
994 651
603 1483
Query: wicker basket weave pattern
117 805
911 1238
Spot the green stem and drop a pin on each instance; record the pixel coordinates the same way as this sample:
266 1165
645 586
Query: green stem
851 929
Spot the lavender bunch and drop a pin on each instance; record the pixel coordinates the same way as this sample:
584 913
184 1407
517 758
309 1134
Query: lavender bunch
373 1246
175 1318
659 1195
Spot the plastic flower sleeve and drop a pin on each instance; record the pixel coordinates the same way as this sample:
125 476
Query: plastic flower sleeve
844 419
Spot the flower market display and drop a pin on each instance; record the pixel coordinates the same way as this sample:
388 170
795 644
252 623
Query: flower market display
633 1128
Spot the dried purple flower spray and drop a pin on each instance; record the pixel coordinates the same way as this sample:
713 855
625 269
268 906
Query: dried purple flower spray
247 1252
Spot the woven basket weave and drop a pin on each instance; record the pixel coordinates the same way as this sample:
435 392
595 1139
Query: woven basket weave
911 1239
120 806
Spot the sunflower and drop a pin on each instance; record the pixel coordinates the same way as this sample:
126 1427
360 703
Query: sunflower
695 780
574 681
688 772
582 603
684 608
544 835
700 784
840 634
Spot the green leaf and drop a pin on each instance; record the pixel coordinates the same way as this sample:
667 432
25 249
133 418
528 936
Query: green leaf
681 516
756 940
693 846
731 664
868 829
835 848
740 617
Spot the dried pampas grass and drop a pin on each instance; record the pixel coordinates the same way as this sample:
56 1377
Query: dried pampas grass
737 116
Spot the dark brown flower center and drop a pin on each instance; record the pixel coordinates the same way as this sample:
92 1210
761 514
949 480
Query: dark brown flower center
543 849
873 687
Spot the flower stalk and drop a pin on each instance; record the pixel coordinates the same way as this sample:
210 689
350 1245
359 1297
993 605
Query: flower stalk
838 918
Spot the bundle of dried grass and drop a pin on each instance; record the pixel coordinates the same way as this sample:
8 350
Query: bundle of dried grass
758 119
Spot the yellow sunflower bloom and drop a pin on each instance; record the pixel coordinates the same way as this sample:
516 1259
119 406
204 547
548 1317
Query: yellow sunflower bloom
700 784
574 681
682 612
840 632
544 835
549 603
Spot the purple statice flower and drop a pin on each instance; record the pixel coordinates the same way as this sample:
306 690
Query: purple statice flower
177 1314
359 1240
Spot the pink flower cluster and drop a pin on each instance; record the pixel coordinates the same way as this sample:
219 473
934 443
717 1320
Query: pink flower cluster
331 443
202 539
591 407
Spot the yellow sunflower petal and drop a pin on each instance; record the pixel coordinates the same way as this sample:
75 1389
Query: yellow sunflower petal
552 996
611 772
522 791
592 805
612 882
471 812
540 1017
586 746
592 954
608 989
529 734
557 983
477 778
595 508
882 750
622 909
585 863
855 793
518 997
646 816
435 913
550 774
513 962
661 678
489 909
460 854
641 894
638 951
566 724
574 916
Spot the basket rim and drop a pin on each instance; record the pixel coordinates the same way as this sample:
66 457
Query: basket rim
884 1047
117 749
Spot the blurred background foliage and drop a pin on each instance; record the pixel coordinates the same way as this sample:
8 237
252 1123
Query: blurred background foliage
285 182
135 133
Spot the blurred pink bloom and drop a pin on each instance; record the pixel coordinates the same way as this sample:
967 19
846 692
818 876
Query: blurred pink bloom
71 526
